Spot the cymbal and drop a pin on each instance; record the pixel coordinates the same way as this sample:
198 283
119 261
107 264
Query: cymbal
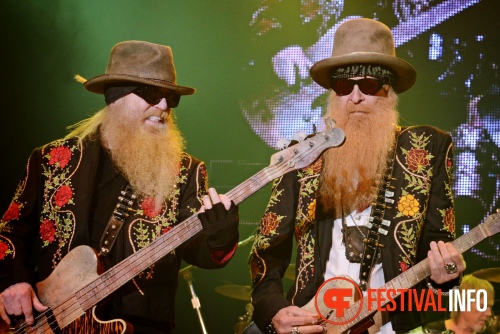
240 292
490 274
290 272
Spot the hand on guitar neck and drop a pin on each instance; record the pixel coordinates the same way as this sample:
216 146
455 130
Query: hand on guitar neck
440 256
19 300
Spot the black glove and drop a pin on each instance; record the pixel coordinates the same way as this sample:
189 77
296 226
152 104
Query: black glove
220 226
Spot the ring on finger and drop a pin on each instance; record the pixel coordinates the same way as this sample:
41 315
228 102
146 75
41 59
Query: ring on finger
450 268
295 330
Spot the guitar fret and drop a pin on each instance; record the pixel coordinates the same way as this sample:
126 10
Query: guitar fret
298 156
418 272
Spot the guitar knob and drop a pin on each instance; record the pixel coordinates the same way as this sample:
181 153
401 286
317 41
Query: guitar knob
283 143
300 136
330 122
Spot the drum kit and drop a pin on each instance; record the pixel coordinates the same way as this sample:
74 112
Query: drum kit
244 292
490 274
233 291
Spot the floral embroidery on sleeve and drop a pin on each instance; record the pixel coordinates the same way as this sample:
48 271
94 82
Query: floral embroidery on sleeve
6 248
448 220
57 221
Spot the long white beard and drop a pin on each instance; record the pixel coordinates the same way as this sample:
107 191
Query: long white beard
150 160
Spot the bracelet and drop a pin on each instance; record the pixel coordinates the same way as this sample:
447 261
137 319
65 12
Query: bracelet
270 328
447 293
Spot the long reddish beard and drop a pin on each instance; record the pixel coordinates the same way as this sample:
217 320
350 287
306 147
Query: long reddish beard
351 171
150 160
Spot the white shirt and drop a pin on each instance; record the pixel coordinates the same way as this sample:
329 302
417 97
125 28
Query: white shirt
338 265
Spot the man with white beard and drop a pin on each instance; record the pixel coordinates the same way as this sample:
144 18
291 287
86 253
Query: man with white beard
119 181
369 209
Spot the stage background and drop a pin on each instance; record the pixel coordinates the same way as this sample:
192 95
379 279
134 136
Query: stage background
224 49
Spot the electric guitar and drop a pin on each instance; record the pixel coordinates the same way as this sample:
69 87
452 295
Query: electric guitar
358 317
77 284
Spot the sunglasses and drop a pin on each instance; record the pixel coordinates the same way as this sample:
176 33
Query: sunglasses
153 95
368 86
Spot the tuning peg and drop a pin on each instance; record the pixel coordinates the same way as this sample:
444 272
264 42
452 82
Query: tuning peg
283 143
330 122
299 136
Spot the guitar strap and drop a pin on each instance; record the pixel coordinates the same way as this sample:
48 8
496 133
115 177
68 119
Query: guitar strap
377 224
125 203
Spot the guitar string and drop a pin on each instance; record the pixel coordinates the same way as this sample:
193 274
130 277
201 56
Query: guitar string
420 271
459 242
243 189
398 278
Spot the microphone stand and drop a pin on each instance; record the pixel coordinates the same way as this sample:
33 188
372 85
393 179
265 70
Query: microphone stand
188 277
195 301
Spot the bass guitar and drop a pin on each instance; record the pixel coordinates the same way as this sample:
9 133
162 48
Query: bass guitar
77 284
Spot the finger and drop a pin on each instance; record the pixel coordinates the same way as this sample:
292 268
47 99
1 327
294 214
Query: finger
214 196
303 321
299 312
450 256
310 329
456 256
436 255
27 310
207 203
226 201
38 304
444 253
3 314
436 268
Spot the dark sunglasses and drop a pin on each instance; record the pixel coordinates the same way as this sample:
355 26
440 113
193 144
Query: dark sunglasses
368 86
153 95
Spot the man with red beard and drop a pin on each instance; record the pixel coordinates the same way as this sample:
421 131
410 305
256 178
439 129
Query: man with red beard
119 182
369 209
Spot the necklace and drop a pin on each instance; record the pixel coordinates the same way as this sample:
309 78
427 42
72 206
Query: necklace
357 226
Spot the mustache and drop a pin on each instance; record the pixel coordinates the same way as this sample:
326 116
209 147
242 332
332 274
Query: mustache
155 112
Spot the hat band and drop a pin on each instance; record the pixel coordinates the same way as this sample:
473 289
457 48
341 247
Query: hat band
361 70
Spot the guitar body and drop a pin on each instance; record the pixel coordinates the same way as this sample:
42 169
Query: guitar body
77 269
317 305
79 282
354 322
88 323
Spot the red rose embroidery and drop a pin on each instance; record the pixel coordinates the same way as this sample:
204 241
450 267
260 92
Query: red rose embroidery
203 171
449 220
149 208
63 195
255 271
48 230
60 154
416 159
404 266
3 249
269 223
12 212
166 229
